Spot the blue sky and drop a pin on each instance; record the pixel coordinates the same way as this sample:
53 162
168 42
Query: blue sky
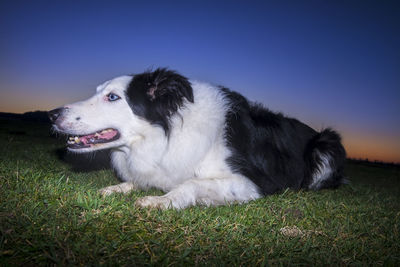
328 63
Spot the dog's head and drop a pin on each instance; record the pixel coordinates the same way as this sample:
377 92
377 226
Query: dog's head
123 110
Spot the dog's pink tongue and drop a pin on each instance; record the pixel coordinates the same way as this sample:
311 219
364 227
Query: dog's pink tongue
84 139
107 135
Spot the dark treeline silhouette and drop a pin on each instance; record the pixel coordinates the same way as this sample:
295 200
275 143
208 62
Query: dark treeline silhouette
38 116
376 163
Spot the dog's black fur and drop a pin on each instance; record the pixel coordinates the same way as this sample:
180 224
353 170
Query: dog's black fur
277 152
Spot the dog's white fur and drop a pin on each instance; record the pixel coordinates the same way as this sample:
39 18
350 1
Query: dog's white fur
145 157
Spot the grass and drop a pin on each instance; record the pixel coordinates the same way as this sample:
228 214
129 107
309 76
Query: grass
52 214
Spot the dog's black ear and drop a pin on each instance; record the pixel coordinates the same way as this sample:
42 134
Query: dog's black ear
158 95
168 84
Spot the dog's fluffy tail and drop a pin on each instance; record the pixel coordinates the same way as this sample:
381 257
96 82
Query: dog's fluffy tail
326 157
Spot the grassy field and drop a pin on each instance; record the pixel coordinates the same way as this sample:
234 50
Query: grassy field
51 213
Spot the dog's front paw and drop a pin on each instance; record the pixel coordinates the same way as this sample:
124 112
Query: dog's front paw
119 188
159 202
106 191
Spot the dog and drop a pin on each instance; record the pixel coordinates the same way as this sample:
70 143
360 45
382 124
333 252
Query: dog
201 144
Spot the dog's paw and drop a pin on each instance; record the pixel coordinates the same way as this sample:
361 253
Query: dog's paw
106 191
119 188
159 202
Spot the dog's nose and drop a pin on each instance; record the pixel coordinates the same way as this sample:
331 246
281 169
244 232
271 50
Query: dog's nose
55 113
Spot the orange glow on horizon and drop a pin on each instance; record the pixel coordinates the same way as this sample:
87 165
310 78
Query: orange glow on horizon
380 148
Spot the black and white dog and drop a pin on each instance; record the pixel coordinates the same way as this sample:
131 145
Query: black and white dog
199 143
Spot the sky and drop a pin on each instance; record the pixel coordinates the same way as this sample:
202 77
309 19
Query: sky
328 63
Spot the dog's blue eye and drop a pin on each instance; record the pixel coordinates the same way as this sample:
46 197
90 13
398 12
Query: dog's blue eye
112 97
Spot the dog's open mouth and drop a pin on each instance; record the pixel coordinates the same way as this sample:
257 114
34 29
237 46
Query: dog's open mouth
85 141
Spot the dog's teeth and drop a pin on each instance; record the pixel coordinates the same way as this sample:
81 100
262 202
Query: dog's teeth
76 139
97 134
71 138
